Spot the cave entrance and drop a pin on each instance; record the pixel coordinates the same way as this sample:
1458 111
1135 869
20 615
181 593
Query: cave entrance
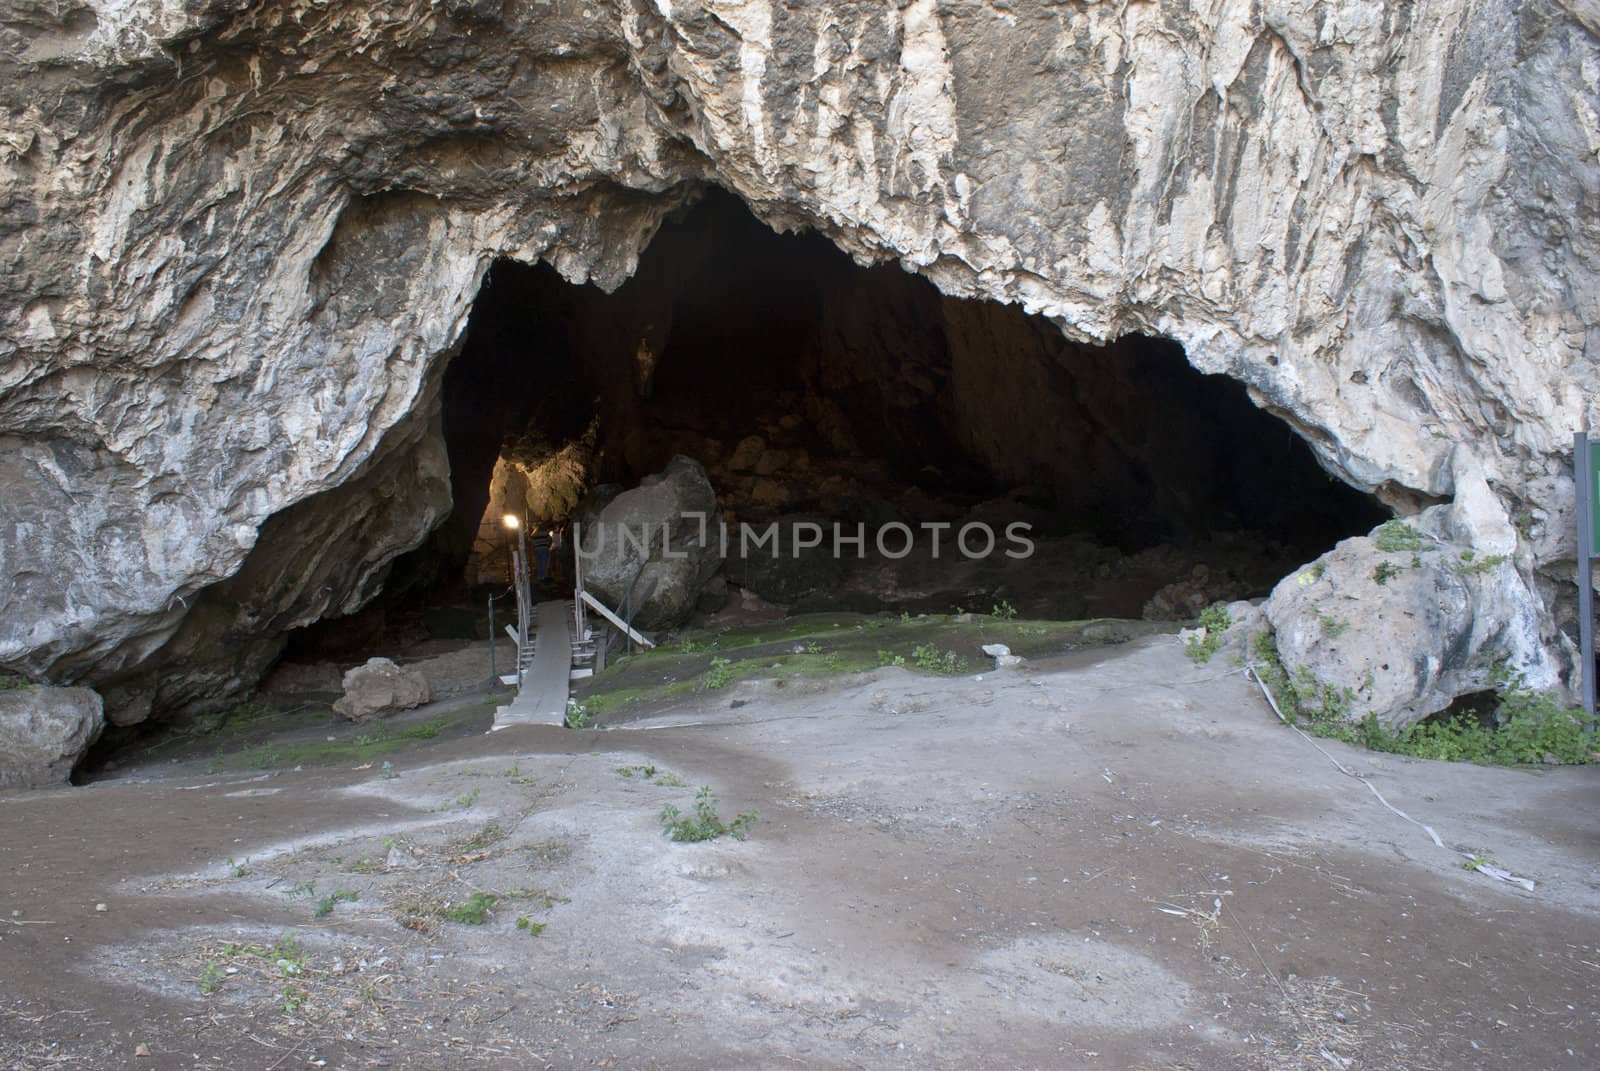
808 386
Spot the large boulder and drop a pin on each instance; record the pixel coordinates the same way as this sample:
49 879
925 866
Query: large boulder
44 731
650 551
1404 620
380 687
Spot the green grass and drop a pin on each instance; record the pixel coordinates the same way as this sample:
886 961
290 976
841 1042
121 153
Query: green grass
11 682
1528 725
369 744
702 823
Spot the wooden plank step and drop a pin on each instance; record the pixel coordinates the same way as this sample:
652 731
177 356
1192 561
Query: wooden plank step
605 612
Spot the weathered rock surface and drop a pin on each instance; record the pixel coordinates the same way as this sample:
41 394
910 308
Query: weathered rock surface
1407 620
44 731
241 239
380 687
649 552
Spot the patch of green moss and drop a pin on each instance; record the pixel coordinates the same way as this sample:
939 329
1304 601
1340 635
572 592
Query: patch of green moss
819 646
349 746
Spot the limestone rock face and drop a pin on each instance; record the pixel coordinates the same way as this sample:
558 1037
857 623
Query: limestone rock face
44 731
381 687
240 240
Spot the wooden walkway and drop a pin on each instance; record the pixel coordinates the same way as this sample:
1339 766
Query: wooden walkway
542 700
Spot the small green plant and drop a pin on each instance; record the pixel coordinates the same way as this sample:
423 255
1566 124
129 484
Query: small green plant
703 823
11 682
1003 610
654 776
1472 565
1524 522
905 617
387 772
1318 568
425 731
465 802
287 955
534 928
889 658
928 657
1332 627
579 716
1216 621
1384 572
473 911
307 889
1477 862
1397 536
290 998
720 675
326 905
211 978
239 869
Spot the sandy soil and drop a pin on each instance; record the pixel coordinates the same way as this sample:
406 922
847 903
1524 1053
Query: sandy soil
1115 860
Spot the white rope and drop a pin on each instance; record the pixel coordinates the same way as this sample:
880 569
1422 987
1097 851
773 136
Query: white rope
1478 864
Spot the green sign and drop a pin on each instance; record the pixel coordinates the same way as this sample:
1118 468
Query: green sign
1594 500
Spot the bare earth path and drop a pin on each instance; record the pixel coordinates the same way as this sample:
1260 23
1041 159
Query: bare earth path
1113 861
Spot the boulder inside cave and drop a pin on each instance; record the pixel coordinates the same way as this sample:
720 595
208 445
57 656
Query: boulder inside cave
812 388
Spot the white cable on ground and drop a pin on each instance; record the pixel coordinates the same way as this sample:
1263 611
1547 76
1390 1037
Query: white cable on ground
1478 865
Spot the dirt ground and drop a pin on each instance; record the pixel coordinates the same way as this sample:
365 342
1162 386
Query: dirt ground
1113 859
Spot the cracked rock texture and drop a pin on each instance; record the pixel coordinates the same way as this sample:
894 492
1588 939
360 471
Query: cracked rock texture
241 237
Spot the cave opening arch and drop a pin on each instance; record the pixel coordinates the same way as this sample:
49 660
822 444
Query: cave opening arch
807 385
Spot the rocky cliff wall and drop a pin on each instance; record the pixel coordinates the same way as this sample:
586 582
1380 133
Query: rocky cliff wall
240 239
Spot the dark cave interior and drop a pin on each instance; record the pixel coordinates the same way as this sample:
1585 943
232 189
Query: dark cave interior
808 385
